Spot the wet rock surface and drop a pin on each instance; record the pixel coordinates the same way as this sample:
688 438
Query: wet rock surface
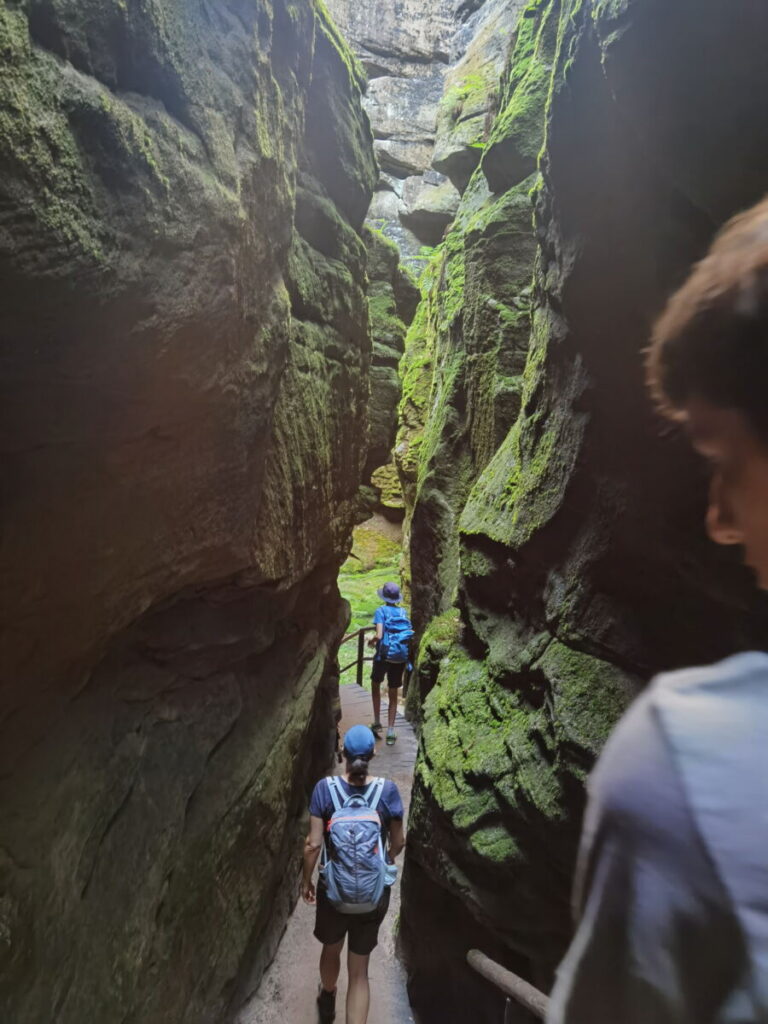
185 354
558 564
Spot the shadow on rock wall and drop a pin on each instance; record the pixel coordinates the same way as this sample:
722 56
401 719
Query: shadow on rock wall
581 561
184 389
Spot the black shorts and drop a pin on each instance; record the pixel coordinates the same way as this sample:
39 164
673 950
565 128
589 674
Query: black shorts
363 929
393 670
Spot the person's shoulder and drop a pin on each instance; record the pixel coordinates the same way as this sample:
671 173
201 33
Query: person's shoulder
640 763
390 794
740 671
732 693
320 793
636 791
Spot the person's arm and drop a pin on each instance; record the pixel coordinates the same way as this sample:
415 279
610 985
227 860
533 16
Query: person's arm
656 940
378 620
312 847
396 839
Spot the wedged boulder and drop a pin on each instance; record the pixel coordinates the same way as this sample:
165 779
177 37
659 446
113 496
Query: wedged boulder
404 108
183 385
407 35
430 204
403 157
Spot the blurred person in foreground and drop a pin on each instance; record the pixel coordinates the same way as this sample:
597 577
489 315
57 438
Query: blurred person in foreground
672 884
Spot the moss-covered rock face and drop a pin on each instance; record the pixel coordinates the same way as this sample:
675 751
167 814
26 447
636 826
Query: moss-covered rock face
185 357
572 544
392 300
471 92
462 377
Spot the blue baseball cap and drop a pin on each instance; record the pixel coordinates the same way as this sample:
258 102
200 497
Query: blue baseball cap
359 741
389 592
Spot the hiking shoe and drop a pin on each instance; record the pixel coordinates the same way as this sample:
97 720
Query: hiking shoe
326 1005
391 737
376 728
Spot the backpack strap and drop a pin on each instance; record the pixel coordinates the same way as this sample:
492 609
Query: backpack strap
373 793
337 796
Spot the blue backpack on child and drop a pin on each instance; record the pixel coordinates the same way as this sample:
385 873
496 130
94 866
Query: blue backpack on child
355 867
398 632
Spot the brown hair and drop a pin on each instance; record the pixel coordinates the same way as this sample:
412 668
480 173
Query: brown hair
357 768
711 342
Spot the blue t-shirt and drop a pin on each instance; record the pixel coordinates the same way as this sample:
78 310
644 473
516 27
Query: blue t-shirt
390 805
379 616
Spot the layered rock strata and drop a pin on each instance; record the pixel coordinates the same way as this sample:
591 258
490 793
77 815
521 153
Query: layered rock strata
185 353
405 49
434 75
392 301
558 564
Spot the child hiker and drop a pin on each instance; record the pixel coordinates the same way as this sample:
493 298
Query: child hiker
394 634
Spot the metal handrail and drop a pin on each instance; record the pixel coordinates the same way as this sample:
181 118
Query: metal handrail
513 987
361 658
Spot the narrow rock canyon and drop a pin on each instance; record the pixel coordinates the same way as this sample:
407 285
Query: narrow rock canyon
268 268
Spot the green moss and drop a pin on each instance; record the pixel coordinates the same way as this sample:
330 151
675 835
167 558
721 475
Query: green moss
589 695
387 481
442 632
38 146
385 323
416 376
524 485
517 135
479 760
357 76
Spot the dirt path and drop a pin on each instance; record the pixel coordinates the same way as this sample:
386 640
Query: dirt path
288 990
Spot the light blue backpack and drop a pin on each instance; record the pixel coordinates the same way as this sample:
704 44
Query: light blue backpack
355 866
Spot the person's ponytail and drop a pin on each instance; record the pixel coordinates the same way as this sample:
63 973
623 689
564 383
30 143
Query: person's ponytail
357 769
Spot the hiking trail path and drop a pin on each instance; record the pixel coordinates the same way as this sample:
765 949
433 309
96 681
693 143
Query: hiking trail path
289 987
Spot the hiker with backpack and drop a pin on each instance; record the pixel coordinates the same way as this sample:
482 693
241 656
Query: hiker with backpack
393 640
356 821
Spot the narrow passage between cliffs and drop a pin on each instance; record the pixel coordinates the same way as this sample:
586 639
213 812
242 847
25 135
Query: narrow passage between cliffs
289 987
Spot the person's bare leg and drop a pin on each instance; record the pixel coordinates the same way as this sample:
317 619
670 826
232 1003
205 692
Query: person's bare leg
376 697
330 965
358 991
392 706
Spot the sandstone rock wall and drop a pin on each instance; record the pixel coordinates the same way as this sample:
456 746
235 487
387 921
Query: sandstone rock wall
434 73
392 301
183 378
405 49
556 566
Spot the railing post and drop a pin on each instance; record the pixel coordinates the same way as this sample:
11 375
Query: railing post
360 656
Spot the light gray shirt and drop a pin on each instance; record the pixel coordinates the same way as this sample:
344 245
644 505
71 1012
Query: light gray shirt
672 884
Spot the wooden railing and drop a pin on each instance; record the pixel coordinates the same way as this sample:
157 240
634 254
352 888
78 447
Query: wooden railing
362 657
510 985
